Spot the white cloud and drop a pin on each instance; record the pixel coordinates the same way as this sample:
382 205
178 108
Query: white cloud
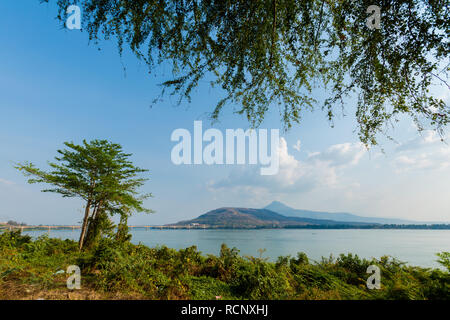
340 154
7 182
297 145
436 159
424 152
445 96
426 139
320 169
406 163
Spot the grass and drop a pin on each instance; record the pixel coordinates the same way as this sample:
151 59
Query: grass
34 269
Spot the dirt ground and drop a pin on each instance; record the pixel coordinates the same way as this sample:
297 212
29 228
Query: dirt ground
12 290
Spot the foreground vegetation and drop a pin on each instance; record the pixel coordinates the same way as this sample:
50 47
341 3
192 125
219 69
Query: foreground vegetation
32 269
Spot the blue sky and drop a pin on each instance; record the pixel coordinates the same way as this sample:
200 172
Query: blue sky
56 87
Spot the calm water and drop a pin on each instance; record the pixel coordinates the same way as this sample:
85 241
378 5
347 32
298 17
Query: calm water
416 247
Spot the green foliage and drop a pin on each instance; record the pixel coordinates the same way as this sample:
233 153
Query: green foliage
35 262
15 223
122 234
100 173
13 239
207 288
444 259
137 271
260 280
276 52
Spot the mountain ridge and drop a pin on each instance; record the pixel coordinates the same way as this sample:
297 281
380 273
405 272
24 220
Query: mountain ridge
232 217
281 208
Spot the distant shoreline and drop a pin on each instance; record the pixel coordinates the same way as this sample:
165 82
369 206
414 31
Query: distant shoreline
186 227
340 227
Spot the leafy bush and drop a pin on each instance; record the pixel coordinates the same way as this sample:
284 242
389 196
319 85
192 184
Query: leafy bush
13 239
444 259
258 279
136 271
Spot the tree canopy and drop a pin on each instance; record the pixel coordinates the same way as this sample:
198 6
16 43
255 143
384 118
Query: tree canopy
275 52
101 174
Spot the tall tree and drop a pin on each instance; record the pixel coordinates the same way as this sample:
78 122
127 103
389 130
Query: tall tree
275 52
101 174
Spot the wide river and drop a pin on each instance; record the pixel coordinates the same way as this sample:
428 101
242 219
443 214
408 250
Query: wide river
415 247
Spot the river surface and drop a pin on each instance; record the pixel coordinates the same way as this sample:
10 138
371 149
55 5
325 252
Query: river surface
415 247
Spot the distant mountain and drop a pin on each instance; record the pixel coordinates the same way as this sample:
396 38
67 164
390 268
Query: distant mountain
283 209
255 218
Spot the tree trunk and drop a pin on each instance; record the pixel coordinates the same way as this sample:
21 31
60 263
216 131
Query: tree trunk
122 234
86 215
84 226
92 229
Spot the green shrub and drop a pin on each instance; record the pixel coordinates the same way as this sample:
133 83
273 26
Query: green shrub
257 279
162 273
13 239
444 259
